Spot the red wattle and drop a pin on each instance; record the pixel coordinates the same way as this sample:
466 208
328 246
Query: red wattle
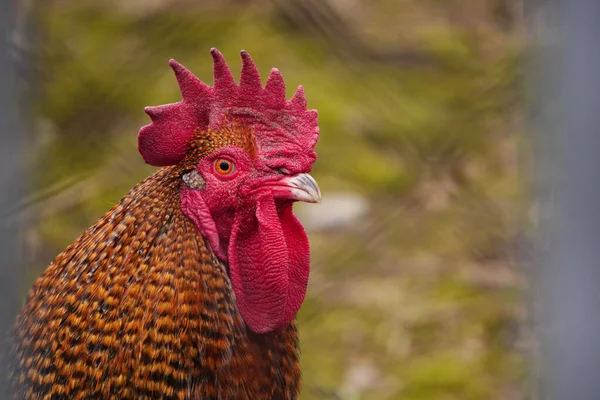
269 262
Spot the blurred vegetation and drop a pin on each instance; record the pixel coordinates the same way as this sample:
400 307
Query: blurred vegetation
418 104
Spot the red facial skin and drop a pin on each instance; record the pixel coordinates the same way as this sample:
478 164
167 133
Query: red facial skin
247 217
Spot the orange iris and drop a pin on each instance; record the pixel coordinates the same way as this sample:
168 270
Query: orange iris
223 166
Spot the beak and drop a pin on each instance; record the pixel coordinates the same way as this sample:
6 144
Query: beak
302 187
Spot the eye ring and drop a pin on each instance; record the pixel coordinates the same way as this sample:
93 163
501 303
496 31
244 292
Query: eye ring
224 167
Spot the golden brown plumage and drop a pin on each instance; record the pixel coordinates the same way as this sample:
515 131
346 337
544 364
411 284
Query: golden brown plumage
140 291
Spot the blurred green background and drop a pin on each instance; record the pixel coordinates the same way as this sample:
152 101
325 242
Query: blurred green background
415 289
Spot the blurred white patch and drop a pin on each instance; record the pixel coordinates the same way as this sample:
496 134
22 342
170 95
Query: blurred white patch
358 378
336 210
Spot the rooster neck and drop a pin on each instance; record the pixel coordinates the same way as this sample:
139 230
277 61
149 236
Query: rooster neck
139 306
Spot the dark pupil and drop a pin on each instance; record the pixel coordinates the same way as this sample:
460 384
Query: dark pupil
224 165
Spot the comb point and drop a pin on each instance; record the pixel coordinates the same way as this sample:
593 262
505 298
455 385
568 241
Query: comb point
275 87
175 65
299 99
189 85
250 77
221 72
153 112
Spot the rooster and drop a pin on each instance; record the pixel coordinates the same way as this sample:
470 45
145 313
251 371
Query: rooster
188 288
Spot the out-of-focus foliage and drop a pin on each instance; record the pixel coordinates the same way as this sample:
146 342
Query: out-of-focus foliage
419 297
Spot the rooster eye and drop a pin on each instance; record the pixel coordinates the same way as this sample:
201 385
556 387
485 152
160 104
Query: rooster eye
224 167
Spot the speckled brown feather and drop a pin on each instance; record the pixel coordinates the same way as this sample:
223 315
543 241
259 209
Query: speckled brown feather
138 307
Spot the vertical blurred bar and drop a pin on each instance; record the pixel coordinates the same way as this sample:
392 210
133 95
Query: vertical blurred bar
566 121
12 178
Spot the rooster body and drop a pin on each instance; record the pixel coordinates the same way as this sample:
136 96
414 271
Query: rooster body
187 288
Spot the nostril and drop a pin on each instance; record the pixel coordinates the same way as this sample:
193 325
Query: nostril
282 170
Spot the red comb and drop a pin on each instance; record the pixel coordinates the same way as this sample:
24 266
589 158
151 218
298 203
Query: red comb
283 128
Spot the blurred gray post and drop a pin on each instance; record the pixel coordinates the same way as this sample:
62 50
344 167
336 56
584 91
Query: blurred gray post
566 123
12 178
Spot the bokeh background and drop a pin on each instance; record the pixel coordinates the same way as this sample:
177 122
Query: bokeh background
417 287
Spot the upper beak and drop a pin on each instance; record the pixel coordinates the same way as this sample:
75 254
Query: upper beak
302 187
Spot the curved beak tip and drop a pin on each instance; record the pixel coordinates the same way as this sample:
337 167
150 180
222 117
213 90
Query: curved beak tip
304 188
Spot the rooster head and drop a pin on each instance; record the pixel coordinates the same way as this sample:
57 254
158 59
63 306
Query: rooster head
249 152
